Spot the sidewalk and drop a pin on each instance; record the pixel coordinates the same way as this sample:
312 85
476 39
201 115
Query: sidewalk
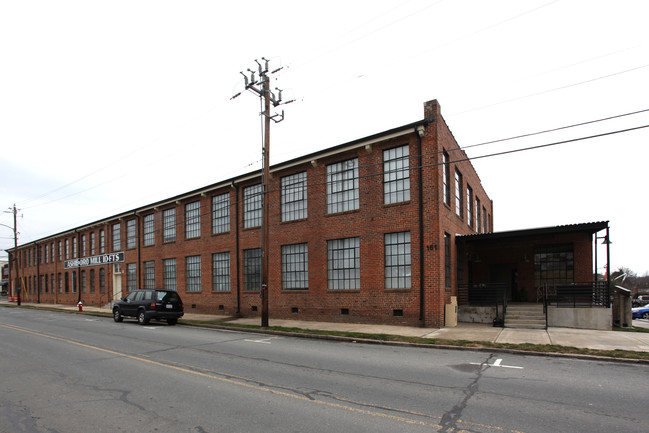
581 338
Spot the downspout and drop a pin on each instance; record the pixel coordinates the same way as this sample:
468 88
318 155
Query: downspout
78 269
420 133
236 237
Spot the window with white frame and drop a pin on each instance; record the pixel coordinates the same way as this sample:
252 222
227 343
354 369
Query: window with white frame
253 199
221 213
92 243
252 269
458 194
469 205
397 261
149 230
74 247
83 245
60 251
193 220
117 237
396 175
478 218
102 280
67 249
91 281
149 275
83 281
446 177
295 267
169 274
193 273
131 276
342 186
221 272
344 264
102 241
169 225
131 236
294 197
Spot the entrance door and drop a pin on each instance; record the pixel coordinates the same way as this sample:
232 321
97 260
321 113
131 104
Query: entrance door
507 275
117 281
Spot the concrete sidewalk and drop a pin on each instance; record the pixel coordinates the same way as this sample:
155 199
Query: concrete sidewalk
581 338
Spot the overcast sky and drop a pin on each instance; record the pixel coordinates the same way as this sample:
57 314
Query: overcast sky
109 105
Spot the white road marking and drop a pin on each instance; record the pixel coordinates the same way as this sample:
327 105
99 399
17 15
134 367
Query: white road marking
497 363
262 340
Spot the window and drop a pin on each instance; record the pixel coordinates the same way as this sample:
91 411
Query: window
83 281
131 276
221 272
131 236
149 275
252 269
458 193
193 273
342 186
83 245
47 252
169 274
447 260
221 213
294 193
117 237
91 283
396 175
446 176
469 205
343 264
102 242
169 225
92 243
397 260
61 282
102 280
478 218
554 265
74 281
295 267
67 249
252 206
149 230
193 220
74 247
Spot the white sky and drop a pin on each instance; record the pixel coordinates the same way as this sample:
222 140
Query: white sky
109 105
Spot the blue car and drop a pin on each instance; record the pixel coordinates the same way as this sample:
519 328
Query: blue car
641 312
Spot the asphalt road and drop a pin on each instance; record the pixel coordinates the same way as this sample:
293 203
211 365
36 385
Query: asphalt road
70 373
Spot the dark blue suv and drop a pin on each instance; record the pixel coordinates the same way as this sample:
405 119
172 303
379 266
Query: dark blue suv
147 304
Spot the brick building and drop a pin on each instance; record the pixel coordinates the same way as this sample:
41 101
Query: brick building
359 232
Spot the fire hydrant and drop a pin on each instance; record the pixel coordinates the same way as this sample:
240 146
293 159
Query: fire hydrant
80 305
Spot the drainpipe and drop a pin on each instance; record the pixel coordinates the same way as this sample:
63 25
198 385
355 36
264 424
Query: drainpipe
78 269
236 237
420 133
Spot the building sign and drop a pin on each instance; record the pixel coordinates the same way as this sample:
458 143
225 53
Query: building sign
102 259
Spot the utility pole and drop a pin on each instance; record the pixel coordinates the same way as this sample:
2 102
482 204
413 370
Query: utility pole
260 85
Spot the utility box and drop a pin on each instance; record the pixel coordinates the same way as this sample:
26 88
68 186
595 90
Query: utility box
450 319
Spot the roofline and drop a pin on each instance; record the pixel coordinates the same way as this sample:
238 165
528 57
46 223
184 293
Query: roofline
592 227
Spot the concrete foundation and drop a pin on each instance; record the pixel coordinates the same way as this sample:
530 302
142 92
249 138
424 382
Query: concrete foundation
469 314
580 318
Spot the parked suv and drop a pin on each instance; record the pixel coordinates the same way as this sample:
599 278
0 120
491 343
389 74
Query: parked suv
147 304
640 301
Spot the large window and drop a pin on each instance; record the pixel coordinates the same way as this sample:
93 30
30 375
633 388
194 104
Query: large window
478 218
149 230
193 273
117 237
458 194
131 276
397 261
193 220
169 225
252 269
74 248
294 193
131 235
102 280
469 206
252 206
169 274
554 265
342 186
92 243
344 264
221 213
91 282
396 175
295 267
149 275
67 249
221 272
446 176
102 242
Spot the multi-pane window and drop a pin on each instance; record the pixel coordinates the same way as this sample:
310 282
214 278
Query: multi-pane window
554 265
47 250
131 276
446 176
102 242
295 267
344 264
458 193
149 230
221 272
447 260
294 197
397 261
117 237
342 186
396 175
193 273
102 280
469 205
91 283
92 243
74 281
169 274
83 245
253 199
131 238
67 249
193 220
484 220
221 213
149 275
252 269
74 247
83 281
169 225
478 218
60 283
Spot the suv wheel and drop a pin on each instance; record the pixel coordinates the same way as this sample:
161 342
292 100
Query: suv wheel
117 315
141 318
